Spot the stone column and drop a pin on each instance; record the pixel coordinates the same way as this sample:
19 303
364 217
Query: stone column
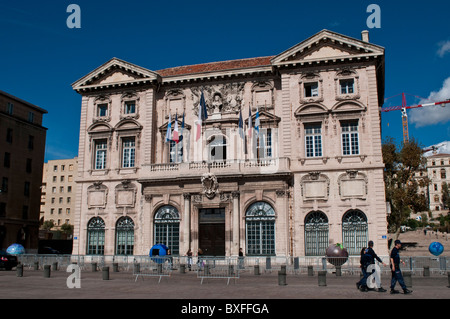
235 243
186 224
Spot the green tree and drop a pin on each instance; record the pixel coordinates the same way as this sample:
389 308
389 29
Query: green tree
67 228
48 224
401 184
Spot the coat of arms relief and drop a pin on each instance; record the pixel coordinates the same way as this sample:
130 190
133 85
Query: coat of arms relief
219 98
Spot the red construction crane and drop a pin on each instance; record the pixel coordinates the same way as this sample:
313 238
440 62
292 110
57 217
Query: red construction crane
405 107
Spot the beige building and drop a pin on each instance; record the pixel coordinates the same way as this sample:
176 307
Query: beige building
59 191
310 176
438 170
22 147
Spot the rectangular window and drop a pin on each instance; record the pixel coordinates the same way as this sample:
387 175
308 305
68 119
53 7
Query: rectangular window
175 152
9 135
55 168
54 190
100 154
29 165
68 200
62 178
71 167
264 143
30 142
102 110
4 188
53 200
26 189
2 209
69 189
24 212
7 160
70 178
67 211
31 117
61 189
130 107
311 89
128 152
60 200
9 108
313 140
350 138
347 86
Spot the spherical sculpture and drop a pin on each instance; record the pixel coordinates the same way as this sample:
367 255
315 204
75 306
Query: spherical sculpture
436 248
15 249
336 255
158 250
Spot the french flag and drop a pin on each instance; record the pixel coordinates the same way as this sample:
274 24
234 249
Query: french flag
202 115
175 134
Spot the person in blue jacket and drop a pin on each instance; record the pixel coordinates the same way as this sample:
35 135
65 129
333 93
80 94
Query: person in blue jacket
395 269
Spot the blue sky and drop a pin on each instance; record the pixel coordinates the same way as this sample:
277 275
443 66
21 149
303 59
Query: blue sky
40 57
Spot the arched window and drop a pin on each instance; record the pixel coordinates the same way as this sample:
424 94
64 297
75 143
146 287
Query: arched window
354 231
96 236
316 234
260 229
167 228
124 236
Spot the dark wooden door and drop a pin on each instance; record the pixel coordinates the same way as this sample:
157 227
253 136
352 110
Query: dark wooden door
212 239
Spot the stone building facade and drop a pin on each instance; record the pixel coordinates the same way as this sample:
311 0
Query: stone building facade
311 175
59 191
22 148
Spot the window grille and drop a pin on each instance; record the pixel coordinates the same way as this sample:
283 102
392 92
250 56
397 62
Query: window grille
316 234
167 228
260 229
96 236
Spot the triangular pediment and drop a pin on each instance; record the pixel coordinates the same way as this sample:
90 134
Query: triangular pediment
327 45
266 117
115 72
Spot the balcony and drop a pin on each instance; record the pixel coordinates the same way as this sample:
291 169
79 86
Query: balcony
228 168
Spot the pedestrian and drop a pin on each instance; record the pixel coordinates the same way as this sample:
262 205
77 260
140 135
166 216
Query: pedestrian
395 269
199 258
189 255
364 263
241 259
372 256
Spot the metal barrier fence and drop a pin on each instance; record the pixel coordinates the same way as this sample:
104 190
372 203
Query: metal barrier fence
226 268
153 267
294 265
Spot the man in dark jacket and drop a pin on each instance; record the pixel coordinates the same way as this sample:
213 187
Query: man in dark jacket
374 256
395 269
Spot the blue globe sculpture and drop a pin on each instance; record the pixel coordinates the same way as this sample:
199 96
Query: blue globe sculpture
156 251
436 248
15 249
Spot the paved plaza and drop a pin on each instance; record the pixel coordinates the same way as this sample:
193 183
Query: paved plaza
122 285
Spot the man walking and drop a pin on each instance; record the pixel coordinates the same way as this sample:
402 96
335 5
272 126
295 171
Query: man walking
369 257
395 269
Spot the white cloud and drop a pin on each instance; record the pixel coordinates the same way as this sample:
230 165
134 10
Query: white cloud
444 47
431 115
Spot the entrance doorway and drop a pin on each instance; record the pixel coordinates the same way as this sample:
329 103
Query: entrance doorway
212 231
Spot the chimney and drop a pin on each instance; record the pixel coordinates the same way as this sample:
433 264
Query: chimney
365 36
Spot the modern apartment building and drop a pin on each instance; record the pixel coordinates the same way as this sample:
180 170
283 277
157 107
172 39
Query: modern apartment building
22 147
287 161
59 191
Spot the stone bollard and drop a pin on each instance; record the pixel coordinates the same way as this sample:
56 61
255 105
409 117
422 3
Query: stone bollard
282 276
407 278
256 270
310 271
94 267
55 266
338 271
115 267
105 273
46 271
426 271
19 270
230 270
136 268
182 268
36 265
322 277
